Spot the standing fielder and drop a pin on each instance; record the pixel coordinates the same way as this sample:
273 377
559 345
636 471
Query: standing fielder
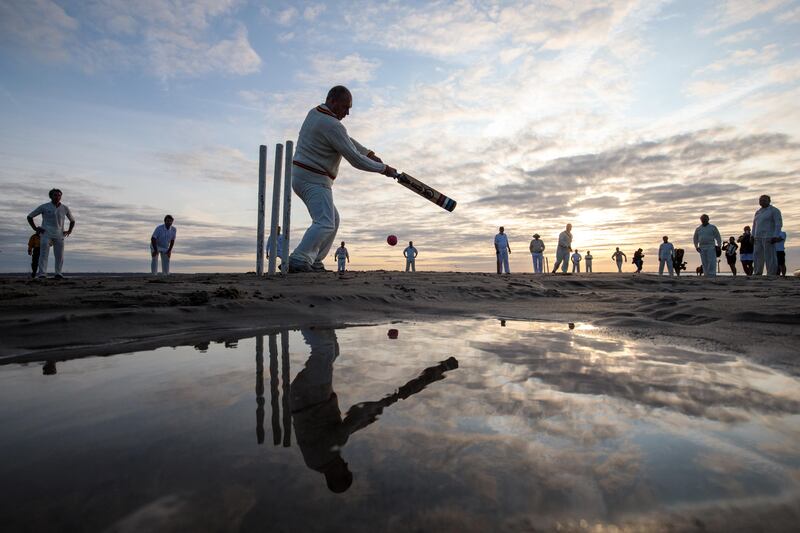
52 231
563 249
502 249
322 143
340 256
410 254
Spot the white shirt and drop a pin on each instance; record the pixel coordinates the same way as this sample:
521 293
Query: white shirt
537 246
565 239
280 244
707 235
53 217
341 253
666 250
588 258
163 236
501 241
410 253
323 140
767 222
576 257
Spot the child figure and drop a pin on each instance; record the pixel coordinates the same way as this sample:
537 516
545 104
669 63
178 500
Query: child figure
34 247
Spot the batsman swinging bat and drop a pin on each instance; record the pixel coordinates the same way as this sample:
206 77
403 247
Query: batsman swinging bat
410 182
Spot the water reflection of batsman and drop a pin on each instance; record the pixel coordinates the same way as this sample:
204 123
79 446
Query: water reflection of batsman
318 425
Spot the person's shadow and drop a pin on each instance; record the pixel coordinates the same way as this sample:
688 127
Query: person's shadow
318 425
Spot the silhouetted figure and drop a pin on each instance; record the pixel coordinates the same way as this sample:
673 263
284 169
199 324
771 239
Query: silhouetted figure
502 249
665 256
320 430
730 248
537 248
617 257
767 227
49 369
34 247
638 260
780 252
563 249
746 246
677 261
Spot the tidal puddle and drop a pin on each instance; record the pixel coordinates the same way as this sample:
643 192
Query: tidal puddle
439 426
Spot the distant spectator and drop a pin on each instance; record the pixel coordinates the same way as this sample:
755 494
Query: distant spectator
161 243
780 251
617 257
666 253
537 253
706 241
638 260
767 227
746 245
501 250
576 262
588 260
730 248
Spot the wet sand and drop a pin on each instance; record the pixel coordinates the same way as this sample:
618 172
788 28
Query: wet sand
101 315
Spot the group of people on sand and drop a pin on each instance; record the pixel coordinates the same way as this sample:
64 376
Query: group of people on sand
760 248
321 144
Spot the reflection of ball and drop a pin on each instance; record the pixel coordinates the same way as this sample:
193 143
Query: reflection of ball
393 333
392 240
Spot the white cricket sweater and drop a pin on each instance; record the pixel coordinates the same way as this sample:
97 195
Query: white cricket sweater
323 141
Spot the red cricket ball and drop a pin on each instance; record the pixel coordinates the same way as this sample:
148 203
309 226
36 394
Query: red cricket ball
392 240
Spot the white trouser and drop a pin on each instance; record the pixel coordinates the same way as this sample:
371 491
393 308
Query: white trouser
341 263
538 258
503 257
668 262
619 265
576 267
562 259
154 262
708 257
588 266
763 253
318 197
410 264
56 240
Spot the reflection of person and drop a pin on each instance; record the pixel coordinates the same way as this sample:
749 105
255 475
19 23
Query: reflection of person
706 240
730 248
666 252
411 253
52 231
588 260
49 368
576 262
537 253
321 144
563 249
34 244
318 425
341 255
502 249
618 256
767 226
161 243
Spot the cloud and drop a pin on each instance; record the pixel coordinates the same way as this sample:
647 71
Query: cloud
214 163
167 40
791 16
746 57
734 12
313 11
286 16
350 69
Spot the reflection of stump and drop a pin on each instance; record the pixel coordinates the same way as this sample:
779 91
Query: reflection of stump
287 409
260 389
498 263
273 388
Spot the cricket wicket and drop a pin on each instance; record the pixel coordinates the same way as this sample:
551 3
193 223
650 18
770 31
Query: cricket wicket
285 168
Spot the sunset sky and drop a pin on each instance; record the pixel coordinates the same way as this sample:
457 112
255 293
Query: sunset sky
628 119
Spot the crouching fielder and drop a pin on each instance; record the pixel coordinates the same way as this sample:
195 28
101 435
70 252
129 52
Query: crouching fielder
322 143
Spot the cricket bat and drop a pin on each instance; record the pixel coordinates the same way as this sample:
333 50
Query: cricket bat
429 193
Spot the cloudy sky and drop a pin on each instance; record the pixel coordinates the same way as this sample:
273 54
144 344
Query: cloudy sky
628 119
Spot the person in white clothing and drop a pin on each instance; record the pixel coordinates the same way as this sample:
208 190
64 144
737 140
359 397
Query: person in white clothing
588 261
321 144
576 262
780 252
618 257
666 253
278 246
537 253
341 256
161 243
410 253
706 240
563 249
767 226
502 249
52 231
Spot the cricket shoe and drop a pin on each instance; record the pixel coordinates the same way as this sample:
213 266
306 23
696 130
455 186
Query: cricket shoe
319 267
299 268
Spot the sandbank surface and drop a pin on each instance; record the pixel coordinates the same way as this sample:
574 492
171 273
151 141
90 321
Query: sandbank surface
108 314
